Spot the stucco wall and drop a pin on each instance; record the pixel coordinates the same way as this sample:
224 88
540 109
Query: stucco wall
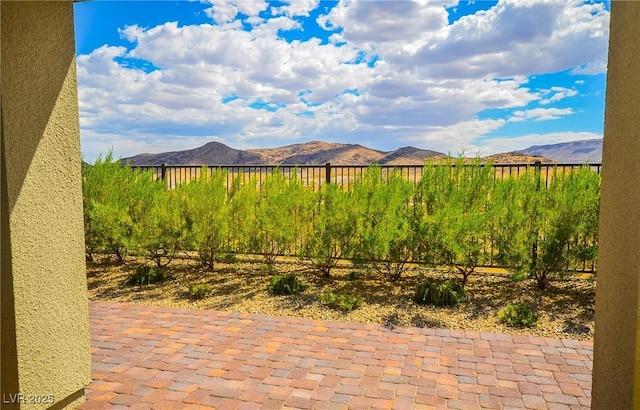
43 282
616 365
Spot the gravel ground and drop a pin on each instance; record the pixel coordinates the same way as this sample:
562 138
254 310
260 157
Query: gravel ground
566 309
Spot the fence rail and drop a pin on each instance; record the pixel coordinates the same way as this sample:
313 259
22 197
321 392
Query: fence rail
316 175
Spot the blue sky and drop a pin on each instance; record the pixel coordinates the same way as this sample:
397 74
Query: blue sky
447 75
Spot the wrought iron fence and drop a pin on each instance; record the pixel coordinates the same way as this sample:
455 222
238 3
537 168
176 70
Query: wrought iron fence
316 175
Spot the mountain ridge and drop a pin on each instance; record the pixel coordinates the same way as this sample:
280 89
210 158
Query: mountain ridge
320 152
574 151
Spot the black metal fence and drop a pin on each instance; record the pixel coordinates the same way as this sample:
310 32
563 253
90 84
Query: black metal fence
316 175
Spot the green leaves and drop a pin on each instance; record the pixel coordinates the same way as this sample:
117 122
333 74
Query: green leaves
545 232
207 215
458 215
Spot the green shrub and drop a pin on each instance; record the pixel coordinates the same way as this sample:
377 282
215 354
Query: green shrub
334 229
107 189
544 232
146 275
437 292
199 290
205 204
451 212
345 301
518 315
384 240
282 215
286 285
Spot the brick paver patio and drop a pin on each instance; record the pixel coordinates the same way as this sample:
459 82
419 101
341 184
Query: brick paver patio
165 358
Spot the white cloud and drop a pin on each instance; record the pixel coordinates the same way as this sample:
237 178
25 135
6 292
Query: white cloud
540 114
459 137
556 94
253 88
513 38
296 7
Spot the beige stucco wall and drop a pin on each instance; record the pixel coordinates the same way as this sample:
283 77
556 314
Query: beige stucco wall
616 362
45 334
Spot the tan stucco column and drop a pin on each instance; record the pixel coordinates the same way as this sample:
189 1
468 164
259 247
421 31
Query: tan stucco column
45 356
616 375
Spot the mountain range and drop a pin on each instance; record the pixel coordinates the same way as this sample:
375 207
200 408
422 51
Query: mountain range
318 152
575 151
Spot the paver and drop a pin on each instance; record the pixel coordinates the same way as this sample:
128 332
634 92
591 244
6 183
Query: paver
157 357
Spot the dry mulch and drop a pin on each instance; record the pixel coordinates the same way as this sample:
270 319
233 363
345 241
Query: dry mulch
566 309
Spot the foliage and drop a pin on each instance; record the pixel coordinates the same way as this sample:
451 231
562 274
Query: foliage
342 300
243 199
281 215
518 315
159 222
286 285
458 215
107 191
453 213
146 275
385 238
207 215
438 292
543 232
199 290
334 228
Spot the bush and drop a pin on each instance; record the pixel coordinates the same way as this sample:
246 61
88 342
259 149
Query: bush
518 315
282 215
107 189
385 240
345 301
438 292
286 285
207 215
544 232
451 211
334 229
146 275
199 290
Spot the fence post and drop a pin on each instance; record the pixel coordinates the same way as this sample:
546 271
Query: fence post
327 167
534 246
163 171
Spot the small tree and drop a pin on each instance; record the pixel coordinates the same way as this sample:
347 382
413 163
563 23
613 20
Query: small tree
207 215
108 192
334 229
555 228
385 239
281 214
454 212
159 223
243 199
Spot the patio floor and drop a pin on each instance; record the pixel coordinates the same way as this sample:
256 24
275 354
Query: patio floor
164 358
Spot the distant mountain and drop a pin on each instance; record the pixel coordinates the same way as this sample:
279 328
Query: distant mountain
515 157
314 152
410 156
212 153
318 152
576 151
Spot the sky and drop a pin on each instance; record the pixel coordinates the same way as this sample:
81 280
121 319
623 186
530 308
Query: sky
478 77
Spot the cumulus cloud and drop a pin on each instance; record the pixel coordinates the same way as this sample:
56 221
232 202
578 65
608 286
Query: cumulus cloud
391 73
540 114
